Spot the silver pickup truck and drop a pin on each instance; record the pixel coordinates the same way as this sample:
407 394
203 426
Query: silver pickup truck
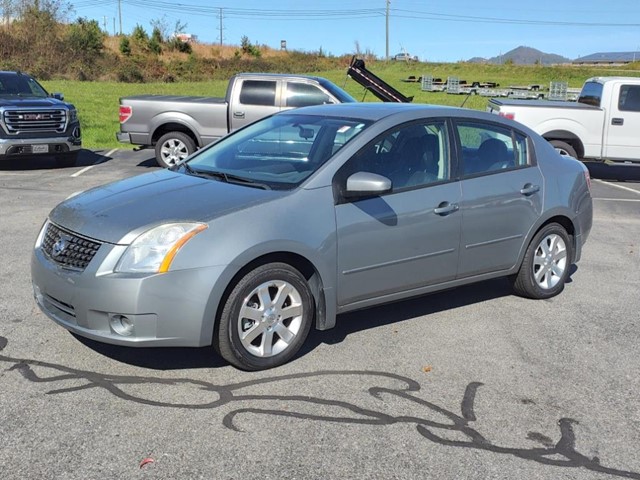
178 125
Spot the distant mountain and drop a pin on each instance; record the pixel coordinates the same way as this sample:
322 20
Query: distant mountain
523 56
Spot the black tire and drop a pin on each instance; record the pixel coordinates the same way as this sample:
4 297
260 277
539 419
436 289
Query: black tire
265 345
546 264
563 148
67 159
173 147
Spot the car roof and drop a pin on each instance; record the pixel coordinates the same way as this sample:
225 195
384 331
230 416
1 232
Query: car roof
376 111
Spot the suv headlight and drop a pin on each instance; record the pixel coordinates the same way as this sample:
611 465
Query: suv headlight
73 115
154 250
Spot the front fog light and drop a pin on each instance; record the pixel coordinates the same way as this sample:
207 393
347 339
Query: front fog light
121 325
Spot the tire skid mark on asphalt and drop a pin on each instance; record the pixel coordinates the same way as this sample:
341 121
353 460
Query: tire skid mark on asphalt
98 162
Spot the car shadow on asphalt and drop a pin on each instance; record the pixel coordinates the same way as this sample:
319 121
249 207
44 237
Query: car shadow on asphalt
48 162
621 172
179 358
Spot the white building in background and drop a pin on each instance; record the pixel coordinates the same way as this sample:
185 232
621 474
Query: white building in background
186 37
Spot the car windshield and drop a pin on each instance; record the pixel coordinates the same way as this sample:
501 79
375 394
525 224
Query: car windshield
278 152
12 85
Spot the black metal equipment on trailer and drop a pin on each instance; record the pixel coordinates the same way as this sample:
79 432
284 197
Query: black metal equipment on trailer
376 85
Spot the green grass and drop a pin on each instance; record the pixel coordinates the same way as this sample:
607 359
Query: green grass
97 102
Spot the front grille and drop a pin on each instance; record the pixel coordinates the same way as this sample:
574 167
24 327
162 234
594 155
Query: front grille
68 249
36 120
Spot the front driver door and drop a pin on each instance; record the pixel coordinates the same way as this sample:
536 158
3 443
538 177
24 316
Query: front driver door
409 237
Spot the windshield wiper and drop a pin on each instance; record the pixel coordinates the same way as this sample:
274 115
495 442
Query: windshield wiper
225 177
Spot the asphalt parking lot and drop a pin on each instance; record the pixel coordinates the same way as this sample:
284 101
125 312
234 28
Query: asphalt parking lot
472 383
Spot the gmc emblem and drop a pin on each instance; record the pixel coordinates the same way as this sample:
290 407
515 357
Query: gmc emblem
36 116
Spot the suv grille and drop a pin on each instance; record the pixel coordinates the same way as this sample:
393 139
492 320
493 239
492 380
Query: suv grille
68 249
36 120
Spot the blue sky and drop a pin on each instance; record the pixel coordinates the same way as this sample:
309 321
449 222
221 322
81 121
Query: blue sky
438 31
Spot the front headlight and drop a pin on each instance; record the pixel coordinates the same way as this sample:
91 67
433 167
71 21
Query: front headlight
73 115
154 250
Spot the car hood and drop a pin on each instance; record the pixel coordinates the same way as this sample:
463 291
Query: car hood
30 102
110 212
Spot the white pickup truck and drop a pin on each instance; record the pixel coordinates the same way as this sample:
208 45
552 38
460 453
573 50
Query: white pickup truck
604 124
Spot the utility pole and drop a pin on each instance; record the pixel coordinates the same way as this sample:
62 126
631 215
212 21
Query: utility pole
104 23
120 14
387 49
221 13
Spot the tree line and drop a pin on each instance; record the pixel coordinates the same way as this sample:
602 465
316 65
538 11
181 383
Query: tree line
36 36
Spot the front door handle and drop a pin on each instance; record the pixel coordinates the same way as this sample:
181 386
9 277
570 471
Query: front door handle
617 121
445 208
238 114
529 189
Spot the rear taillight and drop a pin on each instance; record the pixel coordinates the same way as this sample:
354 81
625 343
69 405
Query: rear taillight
587 177
125 113
509 115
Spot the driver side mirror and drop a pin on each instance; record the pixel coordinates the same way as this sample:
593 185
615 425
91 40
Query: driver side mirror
57 96
362 184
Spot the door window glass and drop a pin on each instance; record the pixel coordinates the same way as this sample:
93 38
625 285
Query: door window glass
258 92
629 100
489 148
411 156
304 94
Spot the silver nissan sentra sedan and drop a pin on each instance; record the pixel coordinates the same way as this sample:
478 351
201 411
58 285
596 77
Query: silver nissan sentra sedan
301 216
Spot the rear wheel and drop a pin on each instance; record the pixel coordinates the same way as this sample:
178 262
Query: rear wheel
546 264
266 318
173 147
563 148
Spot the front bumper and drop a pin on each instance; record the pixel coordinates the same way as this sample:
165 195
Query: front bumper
177 308
55 145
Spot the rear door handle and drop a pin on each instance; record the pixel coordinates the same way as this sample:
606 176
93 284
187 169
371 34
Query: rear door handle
529 189
445 208
238 114
617 121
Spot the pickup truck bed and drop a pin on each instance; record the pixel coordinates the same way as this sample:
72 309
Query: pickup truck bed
542 104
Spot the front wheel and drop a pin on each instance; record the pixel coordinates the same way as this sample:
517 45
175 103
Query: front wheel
563 148
266 318
174 147
546 264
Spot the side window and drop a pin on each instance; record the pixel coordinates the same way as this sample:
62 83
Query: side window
411 156
489 148
258 92
304 94
629 100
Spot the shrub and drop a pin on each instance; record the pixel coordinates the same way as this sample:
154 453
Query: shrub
125 46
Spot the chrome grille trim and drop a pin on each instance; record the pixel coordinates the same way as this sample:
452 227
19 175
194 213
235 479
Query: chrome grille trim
34 120
68 249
